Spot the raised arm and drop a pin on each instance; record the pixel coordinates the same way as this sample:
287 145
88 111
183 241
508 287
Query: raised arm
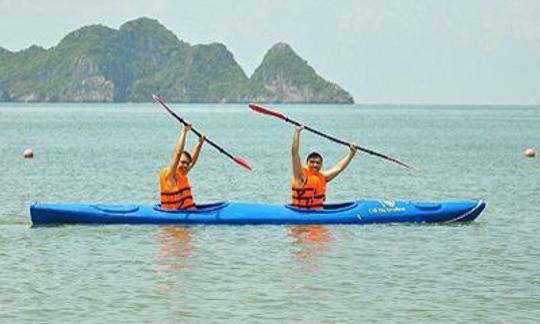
175 159
298 174
342 165
196 151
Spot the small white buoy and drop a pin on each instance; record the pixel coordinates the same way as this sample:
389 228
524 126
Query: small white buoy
529 153
28 153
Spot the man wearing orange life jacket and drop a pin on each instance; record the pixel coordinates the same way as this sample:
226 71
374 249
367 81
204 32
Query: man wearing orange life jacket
308 181
175 189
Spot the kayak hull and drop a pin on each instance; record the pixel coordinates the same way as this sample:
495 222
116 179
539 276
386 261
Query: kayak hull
237 213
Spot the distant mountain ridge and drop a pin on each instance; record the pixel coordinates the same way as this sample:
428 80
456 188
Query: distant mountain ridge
100 64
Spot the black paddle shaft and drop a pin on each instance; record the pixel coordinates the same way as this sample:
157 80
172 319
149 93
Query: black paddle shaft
182 121
238 160
337 140
333 139
266 111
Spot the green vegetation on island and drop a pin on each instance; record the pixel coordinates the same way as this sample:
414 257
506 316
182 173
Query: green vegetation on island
100 64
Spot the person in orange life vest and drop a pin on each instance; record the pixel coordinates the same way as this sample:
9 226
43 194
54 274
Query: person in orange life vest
308 181
174 184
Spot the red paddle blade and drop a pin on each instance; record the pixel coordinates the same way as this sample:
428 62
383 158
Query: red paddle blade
243 163
402 163
266 111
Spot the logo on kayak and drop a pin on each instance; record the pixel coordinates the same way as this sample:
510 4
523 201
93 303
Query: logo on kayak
388 203
387 206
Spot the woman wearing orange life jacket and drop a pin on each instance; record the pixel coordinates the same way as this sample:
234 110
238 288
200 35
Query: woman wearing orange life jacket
308 181
174 185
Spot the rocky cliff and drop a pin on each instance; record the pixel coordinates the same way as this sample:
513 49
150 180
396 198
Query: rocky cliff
100 64
283 76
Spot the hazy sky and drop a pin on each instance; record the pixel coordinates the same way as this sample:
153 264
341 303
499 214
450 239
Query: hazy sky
403 51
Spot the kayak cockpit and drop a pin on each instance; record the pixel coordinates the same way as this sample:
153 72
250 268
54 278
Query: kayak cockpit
116 209
327 208
199 208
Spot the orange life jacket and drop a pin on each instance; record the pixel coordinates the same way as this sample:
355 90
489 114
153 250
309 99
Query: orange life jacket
312 193
175 197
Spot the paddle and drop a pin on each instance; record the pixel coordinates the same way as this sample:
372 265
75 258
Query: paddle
266 111
243 163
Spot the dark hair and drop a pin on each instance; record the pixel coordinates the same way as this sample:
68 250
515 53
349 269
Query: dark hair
188 155
314 155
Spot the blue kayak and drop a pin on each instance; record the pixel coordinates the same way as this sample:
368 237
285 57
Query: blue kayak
236 213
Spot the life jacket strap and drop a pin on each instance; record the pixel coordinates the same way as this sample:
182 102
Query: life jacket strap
302 198
179 191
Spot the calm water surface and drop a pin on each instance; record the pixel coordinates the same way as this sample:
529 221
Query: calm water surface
484 272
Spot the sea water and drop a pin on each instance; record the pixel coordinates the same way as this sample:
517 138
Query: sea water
487 271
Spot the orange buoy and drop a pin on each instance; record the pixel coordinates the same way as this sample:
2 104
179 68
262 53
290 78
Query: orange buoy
529 153
28 153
